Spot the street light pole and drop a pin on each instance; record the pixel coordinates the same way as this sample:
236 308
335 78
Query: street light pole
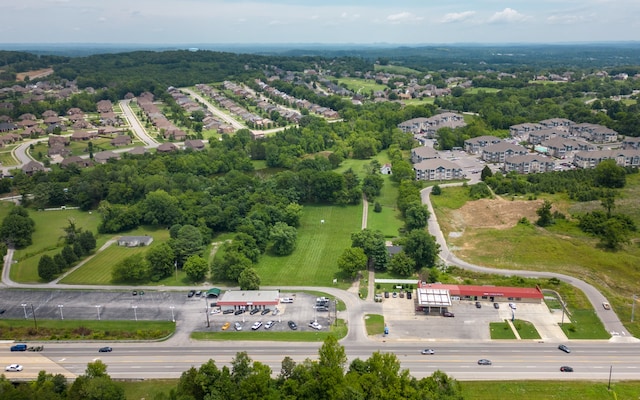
35 322
135 313
610 370
206 311
173 319
24 308
98 308
60 308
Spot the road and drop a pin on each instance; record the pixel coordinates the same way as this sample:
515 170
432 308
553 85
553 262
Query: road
217 112
136 126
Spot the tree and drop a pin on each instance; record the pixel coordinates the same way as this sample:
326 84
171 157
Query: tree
47 269
69 255
544 214
402 264
161 261
249 279
372 185
133 269
160 208
87 242
374 246
187 243
614 234
17 228
95 384
196 268
436 190
486 173
416 216
352 260
610 175
283 238
422 248
608 201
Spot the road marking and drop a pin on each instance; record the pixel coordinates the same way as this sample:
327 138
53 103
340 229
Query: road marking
62 359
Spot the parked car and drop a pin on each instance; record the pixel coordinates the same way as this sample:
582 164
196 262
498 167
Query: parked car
409 295
254 311
13 368
292 325
228 311
256 325
199 293
428 351
226 326
512 306
215 311
496 305
606 306
401 294
269 324
265 311
105 349
237 326
315 325
134 293
238 312
484 361
478 305
564 348
286 300
386 295
276 311
566 368
395 294
448 314
191 293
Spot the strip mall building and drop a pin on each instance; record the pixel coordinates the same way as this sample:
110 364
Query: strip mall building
440 296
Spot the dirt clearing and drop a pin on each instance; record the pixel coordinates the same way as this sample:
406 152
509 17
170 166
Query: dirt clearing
495 213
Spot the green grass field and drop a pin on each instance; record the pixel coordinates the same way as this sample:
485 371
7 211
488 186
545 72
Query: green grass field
419 101
501 330
549 390
374 324
338 330
397 69
526 329
314 261
7 159
389 220
362 86
476 90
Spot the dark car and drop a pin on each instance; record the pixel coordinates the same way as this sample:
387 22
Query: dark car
448 314
105 349
564 348
386 295
191 293
265 311
135 293
409 296
199 293
292 325
478 305
566 368
238 312
229 311
484 361
496 305
2 311
254 311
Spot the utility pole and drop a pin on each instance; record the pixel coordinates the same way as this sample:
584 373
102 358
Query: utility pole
35 322
610 369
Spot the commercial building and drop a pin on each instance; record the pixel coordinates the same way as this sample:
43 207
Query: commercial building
248 299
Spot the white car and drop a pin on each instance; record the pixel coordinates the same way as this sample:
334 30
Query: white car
276 311
237 326
269 324
215 311
13 368
512 305
286 300
315 325
256 325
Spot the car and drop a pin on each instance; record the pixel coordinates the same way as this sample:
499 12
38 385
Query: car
606 306
265 311
496 305
292 325
134 293
2 310
229 311
315 325
199 293
13 368
106 349
478 305
215 311
564 348
484 361
254 311
256 325
427 351
512 306
448 314
402 295
237 326
191 293
566 368
269 324
226 326
286 300
409 296
395 294
276 311
386 295
238 312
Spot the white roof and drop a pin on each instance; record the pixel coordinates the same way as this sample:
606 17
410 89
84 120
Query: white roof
434 297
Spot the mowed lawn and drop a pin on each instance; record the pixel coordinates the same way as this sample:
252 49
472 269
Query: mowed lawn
314 261
48 239
97 270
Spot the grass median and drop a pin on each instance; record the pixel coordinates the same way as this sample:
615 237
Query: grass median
339 330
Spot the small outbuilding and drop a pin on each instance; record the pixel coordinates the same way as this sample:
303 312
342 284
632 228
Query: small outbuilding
135 241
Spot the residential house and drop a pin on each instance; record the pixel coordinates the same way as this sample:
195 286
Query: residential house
523 130
32 167
167 148
103 157
194 144
623 158
497 153
76 160
137 151
528 163
437 169
385 169
631 143
560 147
121 140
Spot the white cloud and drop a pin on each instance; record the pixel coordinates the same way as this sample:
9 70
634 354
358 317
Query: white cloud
568 19
507 15
349 17
457 17
402 18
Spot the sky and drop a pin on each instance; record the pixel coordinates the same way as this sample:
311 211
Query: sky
324 21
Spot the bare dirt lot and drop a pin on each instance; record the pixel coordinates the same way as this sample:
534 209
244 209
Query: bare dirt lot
496 213
34 74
